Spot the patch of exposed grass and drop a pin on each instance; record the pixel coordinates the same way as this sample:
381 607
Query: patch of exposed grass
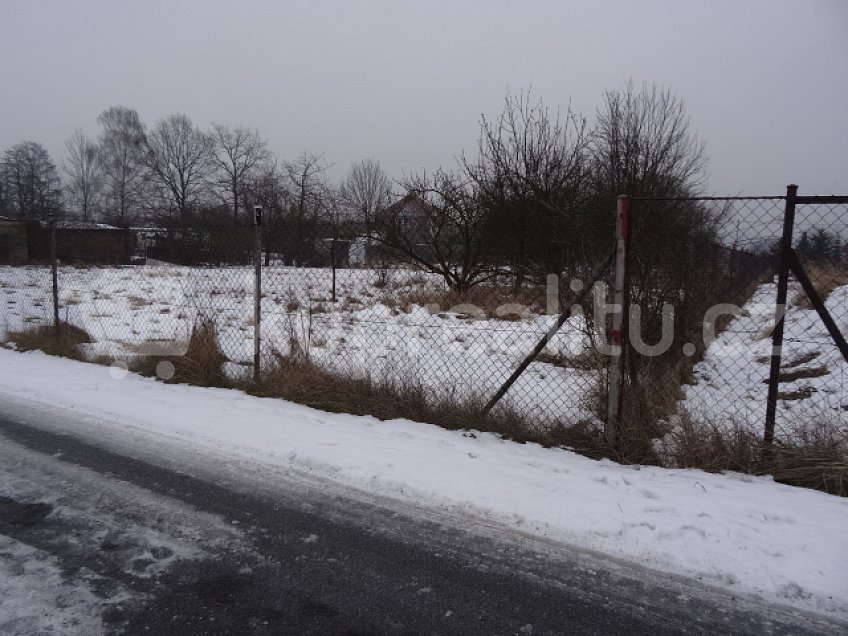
825 278
589 359
814 455
63 341
138 302
801 374
300 380
801 394
797 362
481 302
201 365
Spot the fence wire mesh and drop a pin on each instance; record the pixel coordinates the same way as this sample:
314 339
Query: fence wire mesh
390 323
713 261
716 262
404 327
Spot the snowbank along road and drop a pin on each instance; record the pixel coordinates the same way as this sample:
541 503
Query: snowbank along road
108 527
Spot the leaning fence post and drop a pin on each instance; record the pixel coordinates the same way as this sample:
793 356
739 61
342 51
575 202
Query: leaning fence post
257 287
615 371
549 334
54 266
780 313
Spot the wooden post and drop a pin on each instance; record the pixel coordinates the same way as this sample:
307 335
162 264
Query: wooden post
780 313
615 371
257 289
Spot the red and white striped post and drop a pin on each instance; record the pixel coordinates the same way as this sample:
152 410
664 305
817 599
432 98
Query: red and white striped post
615 371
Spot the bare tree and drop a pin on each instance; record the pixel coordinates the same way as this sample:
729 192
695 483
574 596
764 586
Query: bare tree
365 190
239 155
333 217
306 183
532 177
122 156
643 145
438 227
83 175
179 157
517 203
269 189
31 184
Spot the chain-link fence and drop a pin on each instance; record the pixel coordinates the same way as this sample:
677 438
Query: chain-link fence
716 262
702 279
387 321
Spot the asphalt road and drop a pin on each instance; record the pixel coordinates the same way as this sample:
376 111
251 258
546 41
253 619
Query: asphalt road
270 556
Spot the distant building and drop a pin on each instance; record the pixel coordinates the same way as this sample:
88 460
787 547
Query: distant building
408 222
14 243
410 211
24 241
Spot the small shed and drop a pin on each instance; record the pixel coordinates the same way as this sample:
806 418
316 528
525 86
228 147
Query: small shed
27 241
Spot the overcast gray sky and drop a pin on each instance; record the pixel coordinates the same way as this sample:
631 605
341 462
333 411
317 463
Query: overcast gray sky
405 82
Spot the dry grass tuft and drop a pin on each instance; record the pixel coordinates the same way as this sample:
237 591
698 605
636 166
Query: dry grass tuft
482 302
62 342
696 444
830 476
589 359
815 456
825 278
300 380
202 364
803 393
801 374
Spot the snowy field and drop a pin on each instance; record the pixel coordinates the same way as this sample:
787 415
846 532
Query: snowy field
451 351
730 383
745 534
373 329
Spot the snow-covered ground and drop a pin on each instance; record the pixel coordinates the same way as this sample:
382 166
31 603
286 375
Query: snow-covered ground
107 533
730 387
747 534
35 598
451 351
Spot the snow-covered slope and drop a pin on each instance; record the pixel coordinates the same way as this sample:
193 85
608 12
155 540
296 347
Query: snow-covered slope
730 382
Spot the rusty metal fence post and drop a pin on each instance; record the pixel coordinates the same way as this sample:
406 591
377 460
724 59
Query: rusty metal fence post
615 370
780 313
257 289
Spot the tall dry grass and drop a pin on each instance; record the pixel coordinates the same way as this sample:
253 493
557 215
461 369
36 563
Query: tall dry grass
201 365
63 341
814 455
825 277
298 379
